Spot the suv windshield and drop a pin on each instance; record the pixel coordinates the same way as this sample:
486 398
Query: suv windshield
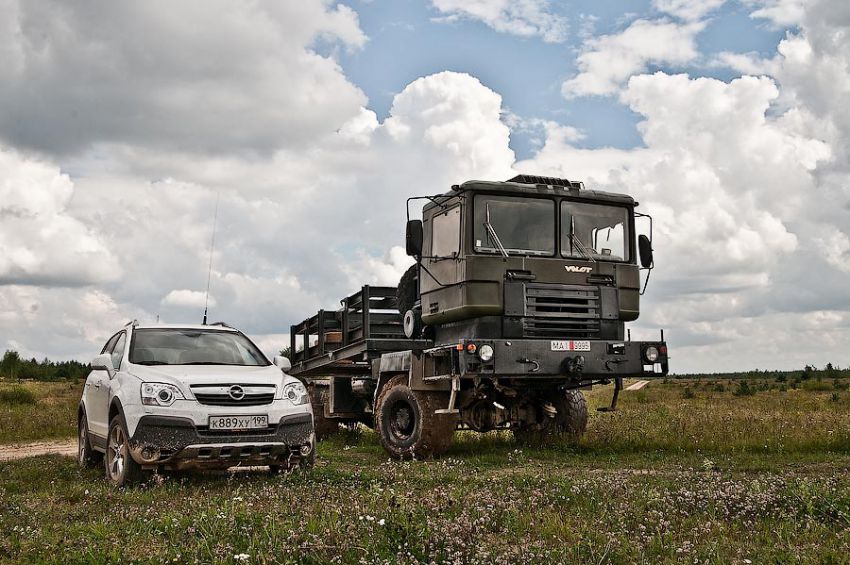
168 346
594 231
524 226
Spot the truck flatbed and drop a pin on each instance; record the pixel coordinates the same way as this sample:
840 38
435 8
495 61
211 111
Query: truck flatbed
343 342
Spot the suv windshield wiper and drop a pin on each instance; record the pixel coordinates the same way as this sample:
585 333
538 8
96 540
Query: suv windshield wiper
149 362
214 363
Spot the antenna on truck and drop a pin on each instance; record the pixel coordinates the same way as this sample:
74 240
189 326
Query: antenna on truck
212 248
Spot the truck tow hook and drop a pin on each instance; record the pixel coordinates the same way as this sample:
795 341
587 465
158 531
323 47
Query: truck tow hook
530 361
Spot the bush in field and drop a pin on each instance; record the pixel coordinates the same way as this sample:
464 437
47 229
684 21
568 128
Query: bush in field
719 387
835 397
744 389
817 385
688 393
17 395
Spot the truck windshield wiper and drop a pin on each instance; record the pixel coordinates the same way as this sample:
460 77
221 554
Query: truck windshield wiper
575 241
491 231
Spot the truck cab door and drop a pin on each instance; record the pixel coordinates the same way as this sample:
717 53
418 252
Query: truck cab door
442 243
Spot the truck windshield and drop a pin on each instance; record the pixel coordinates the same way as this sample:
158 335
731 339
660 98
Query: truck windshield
167 346
524 226
594 231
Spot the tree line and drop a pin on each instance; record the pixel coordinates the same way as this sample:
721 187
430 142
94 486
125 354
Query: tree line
12 366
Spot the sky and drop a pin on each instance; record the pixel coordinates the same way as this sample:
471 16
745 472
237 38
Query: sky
312 122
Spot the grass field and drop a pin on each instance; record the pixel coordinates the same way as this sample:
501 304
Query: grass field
31 411
684 472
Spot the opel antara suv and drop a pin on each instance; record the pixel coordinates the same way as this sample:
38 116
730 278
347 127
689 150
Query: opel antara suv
183 397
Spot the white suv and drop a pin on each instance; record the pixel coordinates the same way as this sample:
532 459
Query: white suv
178 397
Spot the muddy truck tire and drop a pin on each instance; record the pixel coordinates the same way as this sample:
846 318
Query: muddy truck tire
569 423
406 423
323 427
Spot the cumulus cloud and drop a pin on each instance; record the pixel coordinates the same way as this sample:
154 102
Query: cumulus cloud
781 13
40 243
210 76
691 10
517 17
606 62
184 298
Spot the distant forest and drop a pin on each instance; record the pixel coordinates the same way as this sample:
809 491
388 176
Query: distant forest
14 367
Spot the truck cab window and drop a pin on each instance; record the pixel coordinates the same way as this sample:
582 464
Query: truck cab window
594 231
524 226
445 237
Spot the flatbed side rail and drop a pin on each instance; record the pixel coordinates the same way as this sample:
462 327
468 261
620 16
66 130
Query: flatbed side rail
367 322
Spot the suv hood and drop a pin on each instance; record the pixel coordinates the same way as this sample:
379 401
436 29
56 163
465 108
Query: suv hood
208 374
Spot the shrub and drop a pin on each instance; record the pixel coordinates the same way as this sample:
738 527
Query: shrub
835 397
744 389
17 395
688 393
719 388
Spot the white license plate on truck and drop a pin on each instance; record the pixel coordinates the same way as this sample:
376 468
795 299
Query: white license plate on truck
570 345
238 422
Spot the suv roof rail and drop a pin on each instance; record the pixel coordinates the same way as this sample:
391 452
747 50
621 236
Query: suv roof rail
548 181
223 325
133 323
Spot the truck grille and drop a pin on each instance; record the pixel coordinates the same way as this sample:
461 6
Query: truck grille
234 394
557 310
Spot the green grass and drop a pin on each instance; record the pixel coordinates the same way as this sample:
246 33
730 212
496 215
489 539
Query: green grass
711 478
31 411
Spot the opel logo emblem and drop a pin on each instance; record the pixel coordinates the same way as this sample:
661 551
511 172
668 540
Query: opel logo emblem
236 392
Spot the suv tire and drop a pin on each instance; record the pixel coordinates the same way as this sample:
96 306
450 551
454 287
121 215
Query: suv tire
87 457
406 423
121 468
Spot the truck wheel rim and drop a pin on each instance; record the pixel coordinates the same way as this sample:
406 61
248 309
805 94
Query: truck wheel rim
402 421
116 453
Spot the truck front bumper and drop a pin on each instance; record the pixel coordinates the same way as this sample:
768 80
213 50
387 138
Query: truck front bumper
577 359
177 443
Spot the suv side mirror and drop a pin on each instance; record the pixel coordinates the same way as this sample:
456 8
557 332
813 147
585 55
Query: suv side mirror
645 251
103 362
413 238
283 363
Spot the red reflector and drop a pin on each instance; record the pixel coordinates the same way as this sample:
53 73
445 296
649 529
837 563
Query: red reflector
471 348
460 347
663 350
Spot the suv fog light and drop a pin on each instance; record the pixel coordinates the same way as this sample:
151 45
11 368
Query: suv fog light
306 449
150 454
485 352
651 354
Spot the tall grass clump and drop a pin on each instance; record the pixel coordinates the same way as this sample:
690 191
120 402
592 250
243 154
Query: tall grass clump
17 395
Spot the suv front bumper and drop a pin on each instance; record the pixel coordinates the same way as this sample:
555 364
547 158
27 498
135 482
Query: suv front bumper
177 443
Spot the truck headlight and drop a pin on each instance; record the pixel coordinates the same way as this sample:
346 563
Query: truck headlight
296 393
651 354
160 394
485 352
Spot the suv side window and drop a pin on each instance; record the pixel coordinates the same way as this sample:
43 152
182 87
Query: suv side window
109 344
118 351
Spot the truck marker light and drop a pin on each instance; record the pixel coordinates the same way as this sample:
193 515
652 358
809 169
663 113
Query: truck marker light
470 348
460 347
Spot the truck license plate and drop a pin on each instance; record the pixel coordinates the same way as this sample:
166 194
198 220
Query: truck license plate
238 422
570 345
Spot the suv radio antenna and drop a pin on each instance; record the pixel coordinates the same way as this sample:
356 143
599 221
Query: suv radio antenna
212 248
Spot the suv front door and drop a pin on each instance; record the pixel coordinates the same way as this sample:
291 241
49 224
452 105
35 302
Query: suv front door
97 388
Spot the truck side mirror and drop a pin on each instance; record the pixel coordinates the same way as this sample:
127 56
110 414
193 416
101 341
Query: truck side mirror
645 251
103 362
413 239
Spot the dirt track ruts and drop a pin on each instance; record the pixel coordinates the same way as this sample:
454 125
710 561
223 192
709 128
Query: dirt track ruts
66 447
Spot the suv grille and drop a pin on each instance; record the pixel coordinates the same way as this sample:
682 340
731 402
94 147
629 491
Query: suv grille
558 310
234 395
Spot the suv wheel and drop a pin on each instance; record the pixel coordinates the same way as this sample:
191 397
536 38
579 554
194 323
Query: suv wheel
406 423
86 456
121 469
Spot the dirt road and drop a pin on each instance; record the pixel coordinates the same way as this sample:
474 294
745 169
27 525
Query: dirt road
66 447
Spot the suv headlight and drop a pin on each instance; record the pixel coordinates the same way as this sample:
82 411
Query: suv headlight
160 394
296 393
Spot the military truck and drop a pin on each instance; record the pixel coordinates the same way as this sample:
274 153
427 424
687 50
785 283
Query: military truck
517 301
